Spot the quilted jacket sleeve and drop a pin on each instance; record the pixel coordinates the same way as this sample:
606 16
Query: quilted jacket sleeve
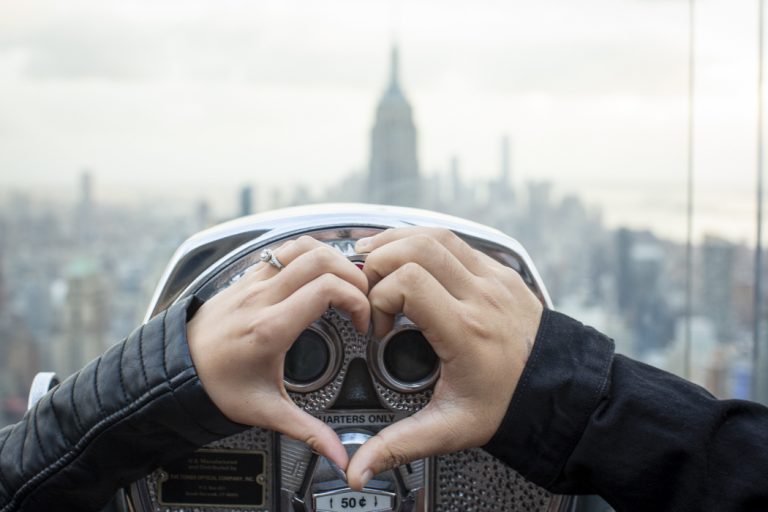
135 407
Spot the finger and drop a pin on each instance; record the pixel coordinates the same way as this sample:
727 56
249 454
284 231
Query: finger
295 423
311 265
460 249
428 253
285 254
415 292
308 303
419 436
292 249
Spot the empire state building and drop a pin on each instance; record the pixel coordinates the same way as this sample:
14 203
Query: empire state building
393 176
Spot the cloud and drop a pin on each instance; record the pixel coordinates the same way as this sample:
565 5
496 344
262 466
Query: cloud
341 45
76 48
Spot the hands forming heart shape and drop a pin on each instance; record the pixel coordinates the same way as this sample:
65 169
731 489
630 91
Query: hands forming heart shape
478 314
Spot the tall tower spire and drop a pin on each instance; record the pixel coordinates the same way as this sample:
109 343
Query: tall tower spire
394 80
393 173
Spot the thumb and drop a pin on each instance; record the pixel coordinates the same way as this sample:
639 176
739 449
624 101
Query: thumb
320 437
422 435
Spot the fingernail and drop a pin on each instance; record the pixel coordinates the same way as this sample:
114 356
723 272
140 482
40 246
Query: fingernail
339 472
365 477
363 245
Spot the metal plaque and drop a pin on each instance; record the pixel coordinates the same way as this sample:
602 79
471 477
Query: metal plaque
214 478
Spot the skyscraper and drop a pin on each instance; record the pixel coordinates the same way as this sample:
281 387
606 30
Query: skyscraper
394 168
505 171
85 315
718 262
84 211
246 200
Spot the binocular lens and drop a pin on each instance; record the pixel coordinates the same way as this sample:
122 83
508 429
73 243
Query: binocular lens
307 359
404 360
409 358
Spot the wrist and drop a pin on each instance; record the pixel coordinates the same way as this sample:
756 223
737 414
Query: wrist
560 386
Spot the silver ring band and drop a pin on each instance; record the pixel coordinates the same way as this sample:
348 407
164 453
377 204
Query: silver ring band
269 257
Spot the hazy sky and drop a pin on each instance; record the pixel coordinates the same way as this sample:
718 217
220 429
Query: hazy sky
192 99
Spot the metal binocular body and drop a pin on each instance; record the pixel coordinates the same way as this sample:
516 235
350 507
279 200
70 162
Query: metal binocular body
350 381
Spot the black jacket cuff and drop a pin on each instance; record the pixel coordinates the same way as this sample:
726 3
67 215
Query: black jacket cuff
561 385
190 394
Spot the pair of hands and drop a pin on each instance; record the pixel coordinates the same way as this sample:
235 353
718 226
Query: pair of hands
478 314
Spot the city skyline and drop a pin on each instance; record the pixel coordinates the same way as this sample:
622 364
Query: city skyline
190 107
74 277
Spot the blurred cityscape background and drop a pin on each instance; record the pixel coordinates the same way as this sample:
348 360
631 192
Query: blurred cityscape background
125 129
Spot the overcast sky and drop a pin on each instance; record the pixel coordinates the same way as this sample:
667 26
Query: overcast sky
192 99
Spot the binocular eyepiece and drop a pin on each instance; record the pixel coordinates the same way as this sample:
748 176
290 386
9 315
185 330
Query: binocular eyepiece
403 360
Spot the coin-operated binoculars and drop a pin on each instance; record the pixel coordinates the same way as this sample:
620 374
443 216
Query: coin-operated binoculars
354 383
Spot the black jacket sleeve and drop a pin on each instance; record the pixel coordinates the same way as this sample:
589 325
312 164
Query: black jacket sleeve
583 421
135 407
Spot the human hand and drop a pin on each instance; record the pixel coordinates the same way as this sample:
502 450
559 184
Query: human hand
481 320
238 339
